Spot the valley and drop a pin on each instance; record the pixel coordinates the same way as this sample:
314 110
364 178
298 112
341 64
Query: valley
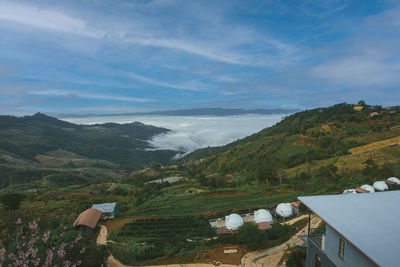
314 152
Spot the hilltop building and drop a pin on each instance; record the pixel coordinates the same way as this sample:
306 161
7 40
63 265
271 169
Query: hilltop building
360 230
88 219
109 210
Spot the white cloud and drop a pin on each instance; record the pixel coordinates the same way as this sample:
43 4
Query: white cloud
89 95
190 85
359 71
43 18
217 45
191 133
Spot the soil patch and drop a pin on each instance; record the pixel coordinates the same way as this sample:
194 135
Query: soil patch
208 256
223 194
116 224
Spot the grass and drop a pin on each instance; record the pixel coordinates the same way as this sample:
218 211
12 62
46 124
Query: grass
378 153
175 203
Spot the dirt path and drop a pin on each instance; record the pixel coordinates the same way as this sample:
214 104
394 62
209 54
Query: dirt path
102 237
272 256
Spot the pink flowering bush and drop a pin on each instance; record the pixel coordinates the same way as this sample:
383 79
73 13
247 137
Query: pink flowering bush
61 247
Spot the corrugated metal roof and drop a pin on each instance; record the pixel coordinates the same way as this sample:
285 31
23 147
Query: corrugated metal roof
89 218
368 221
361 190
105 207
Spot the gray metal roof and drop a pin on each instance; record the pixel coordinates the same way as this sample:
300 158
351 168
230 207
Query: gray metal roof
105 207
371 222
172 179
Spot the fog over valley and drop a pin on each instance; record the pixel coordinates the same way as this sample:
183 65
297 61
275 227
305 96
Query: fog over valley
189 133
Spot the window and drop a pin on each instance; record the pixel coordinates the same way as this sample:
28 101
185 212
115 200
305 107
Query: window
341 249
317 261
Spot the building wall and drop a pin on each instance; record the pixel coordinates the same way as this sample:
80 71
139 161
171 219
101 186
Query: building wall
352 257
312 252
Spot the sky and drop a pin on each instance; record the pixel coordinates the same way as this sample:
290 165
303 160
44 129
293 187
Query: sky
101 56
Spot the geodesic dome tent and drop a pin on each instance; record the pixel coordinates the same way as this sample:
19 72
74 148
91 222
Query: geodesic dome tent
380 186
284 210
368 187
350 191
233 221
394 180
262 215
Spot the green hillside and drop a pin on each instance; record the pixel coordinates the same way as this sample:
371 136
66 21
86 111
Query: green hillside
305 144
32 147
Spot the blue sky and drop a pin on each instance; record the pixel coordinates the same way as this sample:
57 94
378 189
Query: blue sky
115 56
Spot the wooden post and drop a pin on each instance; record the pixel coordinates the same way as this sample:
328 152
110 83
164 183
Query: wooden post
309 223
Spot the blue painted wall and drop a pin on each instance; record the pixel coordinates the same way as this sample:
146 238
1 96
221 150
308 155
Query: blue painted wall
352 257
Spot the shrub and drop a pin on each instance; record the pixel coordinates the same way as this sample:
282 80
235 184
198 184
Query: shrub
252 237
11 201
32 247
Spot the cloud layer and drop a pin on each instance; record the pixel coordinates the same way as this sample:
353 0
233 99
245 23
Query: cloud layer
190 133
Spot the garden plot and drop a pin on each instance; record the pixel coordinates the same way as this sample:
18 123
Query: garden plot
152 239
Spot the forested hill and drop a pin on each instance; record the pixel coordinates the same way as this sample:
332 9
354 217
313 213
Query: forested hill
43 141
305 142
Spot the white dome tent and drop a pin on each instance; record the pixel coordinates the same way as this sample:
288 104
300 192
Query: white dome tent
263 215
368 187
350 191
233 221
380 186
284 210
394 180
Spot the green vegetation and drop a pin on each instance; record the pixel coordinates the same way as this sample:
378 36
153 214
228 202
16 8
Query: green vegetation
11 200
145 240
32 147
320 151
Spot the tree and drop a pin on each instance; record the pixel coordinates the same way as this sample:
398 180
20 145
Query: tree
11 200
361 103
251 236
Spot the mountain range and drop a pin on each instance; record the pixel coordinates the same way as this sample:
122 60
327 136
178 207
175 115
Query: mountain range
193 112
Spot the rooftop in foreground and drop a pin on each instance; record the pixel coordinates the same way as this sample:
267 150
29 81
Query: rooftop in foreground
368 221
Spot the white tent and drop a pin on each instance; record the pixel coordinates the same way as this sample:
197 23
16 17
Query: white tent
350 191
394 180
380 186
367 187
262 215
284 210
233 221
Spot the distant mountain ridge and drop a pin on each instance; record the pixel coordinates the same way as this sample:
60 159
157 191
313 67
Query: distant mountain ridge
50 145
193 112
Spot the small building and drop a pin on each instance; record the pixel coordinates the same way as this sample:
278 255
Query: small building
373 114
394 180
389 183
109 210
296 206
350 191
233 221
361 190
262 218
368 187
380 186
284 210
171 180
360 230
358 108
88 219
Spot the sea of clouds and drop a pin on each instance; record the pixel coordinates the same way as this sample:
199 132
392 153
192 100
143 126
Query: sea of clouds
189 133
